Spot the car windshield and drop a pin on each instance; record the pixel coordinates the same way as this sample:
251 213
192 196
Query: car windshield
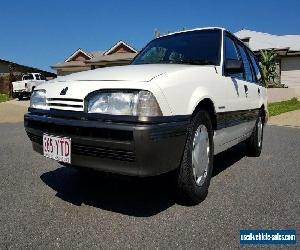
200 47
28 77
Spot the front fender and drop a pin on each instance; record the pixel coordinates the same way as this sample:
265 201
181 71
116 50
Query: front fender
197 96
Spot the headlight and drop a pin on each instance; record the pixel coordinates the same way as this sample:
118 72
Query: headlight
131 102
38 99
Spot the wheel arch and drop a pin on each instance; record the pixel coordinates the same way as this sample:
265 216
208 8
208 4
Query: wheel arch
208 105
264 113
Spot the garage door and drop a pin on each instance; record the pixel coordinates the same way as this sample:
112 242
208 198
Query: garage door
290 71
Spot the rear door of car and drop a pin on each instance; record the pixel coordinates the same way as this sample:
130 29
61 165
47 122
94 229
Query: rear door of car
250 88
257 85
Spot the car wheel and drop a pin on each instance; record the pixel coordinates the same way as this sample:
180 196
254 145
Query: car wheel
254 143
196 166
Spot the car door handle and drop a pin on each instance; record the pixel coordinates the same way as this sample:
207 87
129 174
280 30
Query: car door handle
246 90
258 90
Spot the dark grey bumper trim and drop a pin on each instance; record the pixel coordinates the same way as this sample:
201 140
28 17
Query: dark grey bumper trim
141 149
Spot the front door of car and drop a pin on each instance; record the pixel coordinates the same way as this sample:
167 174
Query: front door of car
236 94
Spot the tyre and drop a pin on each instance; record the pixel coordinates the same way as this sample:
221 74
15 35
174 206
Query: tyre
254 142
194 174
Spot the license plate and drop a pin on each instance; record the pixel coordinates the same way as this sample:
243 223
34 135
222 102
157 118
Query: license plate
57 148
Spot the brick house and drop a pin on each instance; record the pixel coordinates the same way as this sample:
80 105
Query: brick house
80 60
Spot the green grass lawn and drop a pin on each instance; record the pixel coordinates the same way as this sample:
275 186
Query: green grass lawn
277 108
4 97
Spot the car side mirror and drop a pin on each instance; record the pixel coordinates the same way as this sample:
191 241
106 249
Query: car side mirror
233 66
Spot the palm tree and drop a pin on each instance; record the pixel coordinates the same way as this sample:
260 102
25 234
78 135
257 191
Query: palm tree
268 66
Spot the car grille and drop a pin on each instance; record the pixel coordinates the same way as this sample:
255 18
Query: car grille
65 104
102 152
94 151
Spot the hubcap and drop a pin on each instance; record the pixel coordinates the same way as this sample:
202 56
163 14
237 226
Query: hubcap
200 154
259 131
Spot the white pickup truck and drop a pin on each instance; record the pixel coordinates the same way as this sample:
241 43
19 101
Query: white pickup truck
27 85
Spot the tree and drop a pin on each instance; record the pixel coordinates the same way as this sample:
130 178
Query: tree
11 69
268 66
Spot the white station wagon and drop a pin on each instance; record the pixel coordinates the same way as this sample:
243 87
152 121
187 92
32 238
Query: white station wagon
185 97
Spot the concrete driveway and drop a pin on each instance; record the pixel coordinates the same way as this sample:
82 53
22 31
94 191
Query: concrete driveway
13 111
290 119
45 205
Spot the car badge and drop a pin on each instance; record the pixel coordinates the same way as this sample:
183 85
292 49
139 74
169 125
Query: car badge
64 91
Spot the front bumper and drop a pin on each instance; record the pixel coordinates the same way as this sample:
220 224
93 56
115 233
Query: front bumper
118 144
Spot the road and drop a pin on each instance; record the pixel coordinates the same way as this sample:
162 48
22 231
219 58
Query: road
44 205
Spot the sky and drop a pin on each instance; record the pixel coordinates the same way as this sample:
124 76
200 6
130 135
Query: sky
41 33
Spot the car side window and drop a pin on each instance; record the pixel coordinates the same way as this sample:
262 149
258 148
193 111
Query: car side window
231 53
42 77
247 66
256 68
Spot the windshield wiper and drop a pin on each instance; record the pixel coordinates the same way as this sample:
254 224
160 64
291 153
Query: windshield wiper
197 62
